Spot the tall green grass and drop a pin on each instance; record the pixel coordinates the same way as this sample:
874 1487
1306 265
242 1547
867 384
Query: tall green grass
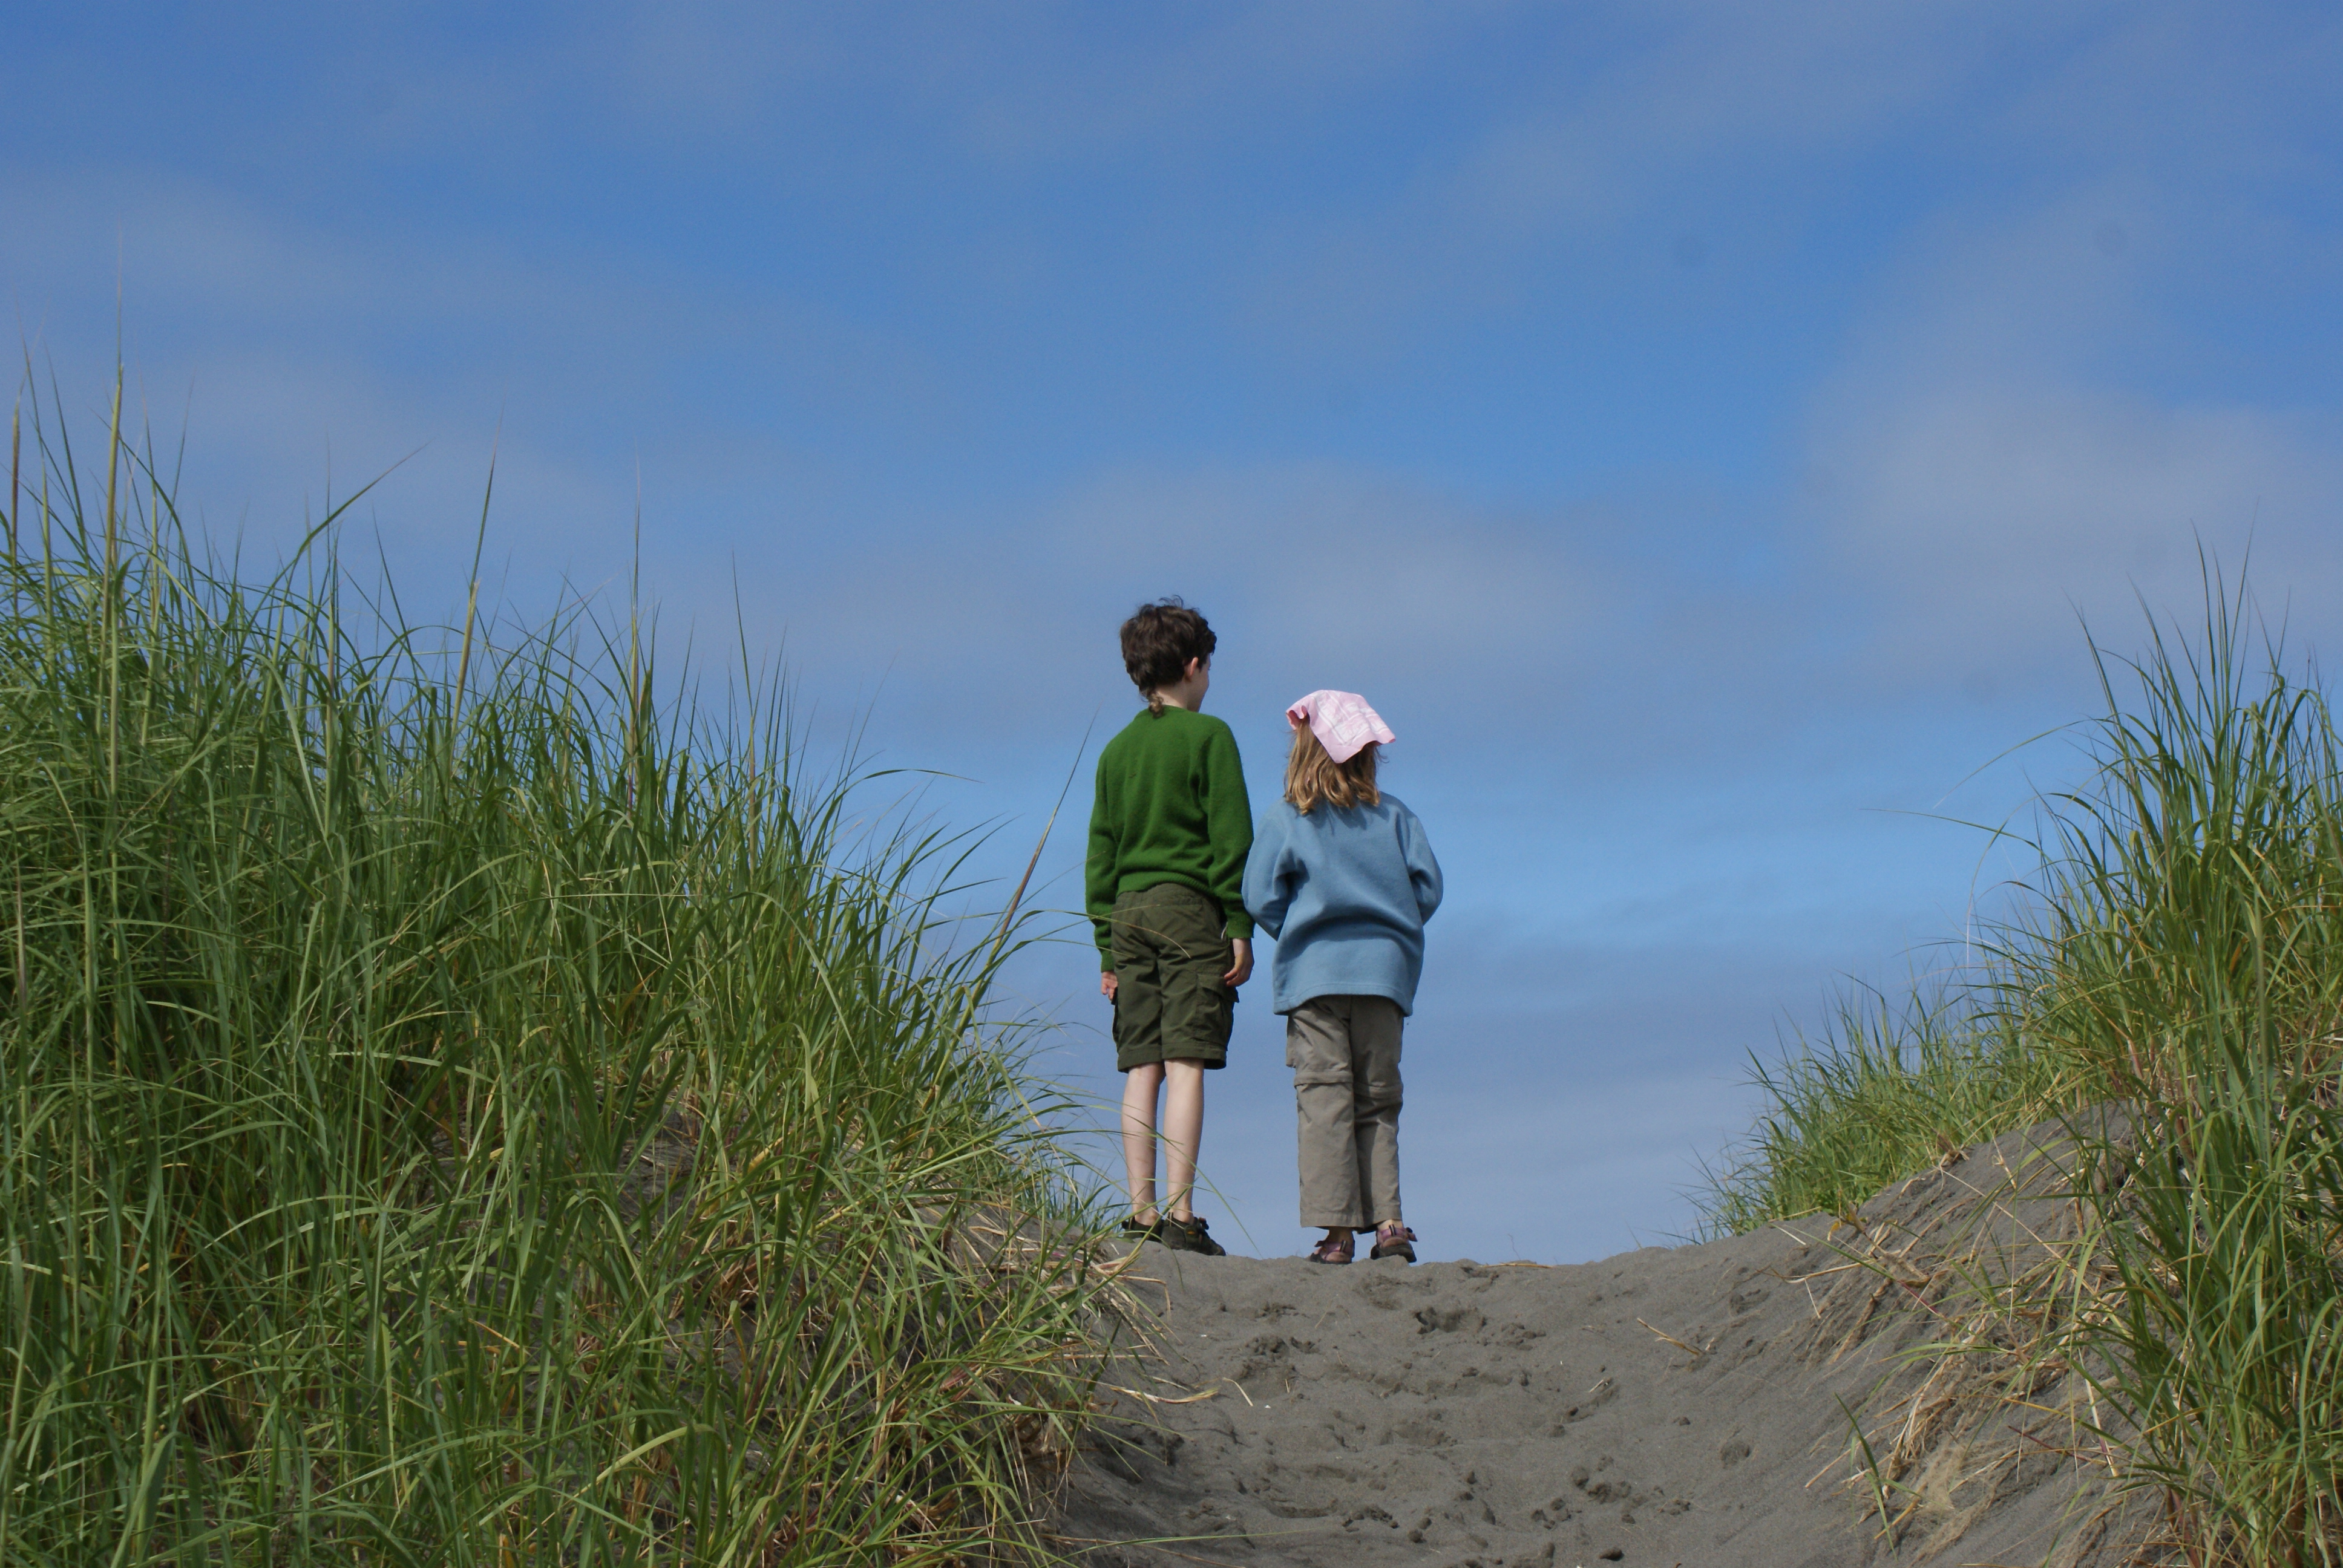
1887 1088
2187 945
458 1106
2180 950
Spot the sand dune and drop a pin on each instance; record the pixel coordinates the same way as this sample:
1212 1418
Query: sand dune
1671 1405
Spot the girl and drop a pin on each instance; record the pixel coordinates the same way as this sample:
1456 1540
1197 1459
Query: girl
1342 876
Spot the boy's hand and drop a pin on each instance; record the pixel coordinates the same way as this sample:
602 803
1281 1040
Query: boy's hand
1241 971
1106 985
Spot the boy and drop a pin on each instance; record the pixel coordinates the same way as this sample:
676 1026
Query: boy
1169 828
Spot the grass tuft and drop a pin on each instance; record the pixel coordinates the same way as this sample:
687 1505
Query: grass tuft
2180 950
480 1118
1885 1092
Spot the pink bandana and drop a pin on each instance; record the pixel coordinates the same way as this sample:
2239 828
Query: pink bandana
1342 722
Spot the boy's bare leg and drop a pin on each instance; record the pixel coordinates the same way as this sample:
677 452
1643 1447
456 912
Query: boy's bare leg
1183 1128
1139 1087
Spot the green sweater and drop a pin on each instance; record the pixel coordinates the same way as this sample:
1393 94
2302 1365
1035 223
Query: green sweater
1170 807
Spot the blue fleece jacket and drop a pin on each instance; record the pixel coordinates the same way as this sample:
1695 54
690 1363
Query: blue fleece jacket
1346 894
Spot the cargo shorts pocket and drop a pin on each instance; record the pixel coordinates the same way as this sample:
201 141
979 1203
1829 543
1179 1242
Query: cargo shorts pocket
1198 1014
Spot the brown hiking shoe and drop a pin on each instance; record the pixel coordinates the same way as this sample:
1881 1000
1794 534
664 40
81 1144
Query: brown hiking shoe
1191 1235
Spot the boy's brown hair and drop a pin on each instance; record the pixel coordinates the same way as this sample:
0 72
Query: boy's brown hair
1311 775
1158 640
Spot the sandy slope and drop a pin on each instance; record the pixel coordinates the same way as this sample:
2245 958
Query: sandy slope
1671 1405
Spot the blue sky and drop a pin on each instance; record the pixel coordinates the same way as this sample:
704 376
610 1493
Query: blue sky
1699 428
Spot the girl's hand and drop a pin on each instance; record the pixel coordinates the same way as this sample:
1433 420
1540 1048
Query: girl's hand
1106 985
1241 971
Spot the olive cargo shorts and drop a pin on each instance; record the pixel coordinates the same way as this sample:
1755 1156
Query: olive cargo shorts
1171 1000
1344 1052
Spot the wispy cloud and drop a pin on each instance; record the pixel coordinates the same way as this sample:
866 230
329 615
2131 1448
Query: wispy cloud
1992 458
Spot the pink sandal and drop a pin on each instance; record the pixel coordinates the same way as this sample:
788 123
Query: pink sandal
1393 1239
1330 1251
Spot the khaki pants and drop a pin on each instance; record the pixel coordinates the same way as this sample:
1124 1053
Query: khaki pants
1345 1053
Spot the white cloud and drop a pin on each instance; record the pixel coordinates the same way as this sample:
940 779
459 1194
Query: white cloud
1313 574
1053 86
1996 454
298 352
1990 509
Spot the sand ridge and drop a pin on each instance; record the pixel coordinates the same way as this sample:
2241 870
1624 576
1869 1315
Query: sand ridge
1669 1405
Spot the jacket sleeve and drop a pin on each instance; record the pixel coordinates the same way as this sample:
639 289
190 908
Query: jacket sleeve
1422 870
1227 816
1098 872
1268 880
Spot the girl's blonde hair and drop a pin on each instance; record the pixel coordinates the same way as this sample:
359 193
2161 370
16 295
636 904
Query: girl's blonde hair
1311 775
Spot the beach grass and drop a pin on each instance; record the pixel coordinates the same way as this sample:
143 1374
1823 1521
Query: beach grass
1888 1088
463 1102
2179 951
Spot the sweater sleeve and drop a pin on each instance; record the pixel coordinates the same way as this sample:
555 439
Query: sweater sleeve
1099 871
1268 886
1423 870
1227 816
